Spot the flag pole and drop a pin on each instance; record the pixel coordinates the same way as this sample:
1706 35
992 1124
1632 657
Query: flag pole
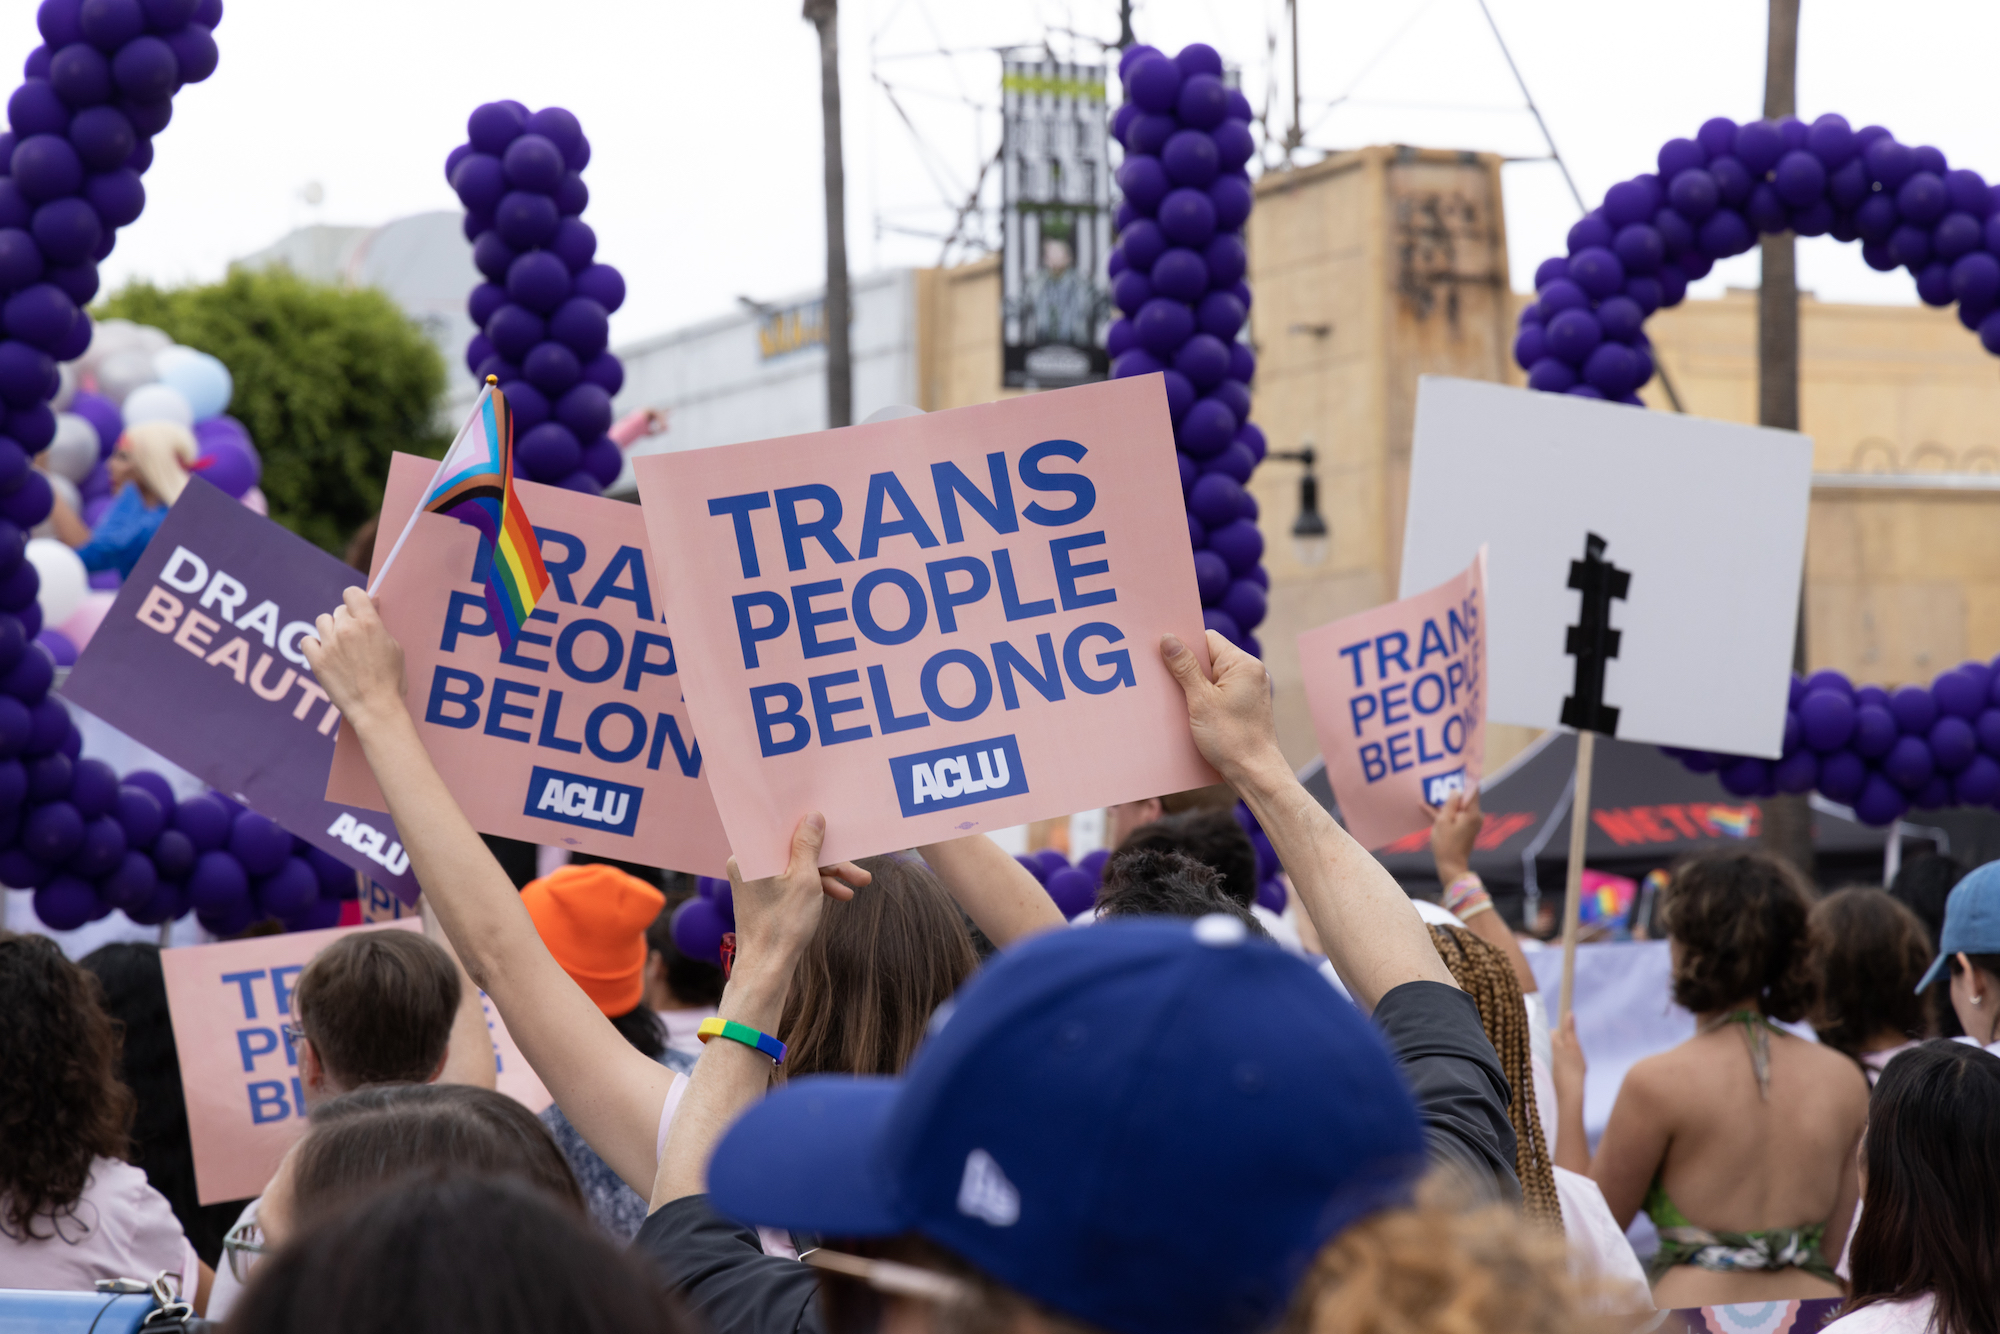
485 391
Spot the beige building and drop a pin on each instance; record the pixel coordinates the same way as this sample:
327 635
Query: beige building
1374 267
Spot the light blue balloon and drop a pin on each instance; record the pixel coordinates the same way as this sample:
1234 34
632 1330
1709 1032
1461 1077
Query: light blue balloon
203 381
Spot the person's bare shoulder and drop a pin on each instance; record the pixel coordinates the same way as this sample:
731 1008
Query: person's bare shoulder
1835 1072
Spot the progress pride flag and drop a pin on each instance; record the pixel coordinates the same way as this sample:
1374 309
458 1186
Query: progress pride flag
199 658
933 625
1398 700
577 736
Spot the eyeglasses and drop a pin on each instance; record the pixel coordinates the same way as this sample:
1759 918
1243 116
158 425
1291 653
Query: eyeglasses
243 1245
853 1300
294 1031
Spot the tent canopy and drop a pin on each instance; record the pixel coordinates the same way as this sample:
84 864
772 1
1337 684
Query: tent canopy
1646 811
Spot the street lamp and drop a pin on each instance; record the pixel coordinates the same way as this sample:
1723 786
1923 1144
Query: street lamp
1310 536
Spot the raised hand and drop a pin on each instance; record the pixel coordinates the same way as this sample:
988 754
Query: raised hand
1229 706
358 662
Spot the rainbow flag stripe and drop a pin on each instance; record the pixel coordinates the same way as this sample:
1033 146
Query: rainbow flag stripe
476 487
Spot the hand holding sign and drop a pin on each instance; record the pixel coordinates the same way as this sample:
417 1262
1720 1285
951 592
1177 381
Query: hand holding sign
356 660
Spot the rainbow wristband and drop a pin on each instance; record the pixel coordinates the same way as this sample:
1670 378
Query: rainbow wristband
743 1033
1466 896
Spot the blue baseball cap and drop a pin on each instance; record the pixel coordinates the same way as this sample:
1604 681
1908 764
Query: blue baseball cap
1971 920
1149 1126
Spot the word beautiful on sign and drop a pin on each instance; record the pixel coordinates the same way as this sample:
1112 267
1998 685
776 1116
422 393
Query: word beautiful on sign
576 735
1397 696
187 619
935 624
199 659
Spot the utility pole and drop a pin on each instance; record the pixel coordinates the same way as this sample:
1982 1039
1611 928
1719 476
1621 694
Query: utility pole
1787 827
824 15
1297 136
1125 37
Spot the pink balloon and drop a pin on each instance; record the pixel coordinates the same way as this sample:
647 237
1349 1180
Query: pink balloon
83 622
253 500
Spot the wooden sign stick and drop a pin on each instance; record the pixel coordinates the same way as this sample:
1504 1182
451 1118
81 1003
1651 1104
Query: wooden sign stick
1579 835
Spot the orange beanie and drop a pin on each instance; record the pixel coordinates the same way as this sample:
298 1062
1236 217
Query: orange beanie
593 918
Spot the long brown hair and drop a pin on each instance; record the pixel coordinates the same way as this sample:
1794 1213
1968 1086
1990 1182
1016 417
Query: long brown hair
62 1103
1484 973
1868 952
876 968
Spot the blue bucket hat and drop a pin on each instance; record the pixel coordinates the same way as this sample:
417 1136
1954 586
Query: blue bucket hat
1971 921
1149 1126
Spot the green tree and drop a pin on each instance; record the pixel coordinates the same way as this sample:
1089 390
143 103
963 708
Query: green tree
330 381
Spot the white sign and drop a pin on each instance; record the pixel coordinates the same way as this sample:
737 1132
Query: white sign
1705 521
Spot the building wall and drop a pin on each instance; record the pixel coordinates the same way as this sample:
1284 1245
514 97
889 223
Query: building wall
722 383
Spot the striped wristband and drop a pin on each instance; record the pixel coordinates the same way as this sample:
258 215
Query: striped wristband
743 1033
1466 896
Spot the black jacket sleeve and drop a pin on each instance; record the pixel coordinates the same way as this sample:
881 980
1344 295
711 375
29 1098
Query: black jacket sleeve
1456 1077
720 1272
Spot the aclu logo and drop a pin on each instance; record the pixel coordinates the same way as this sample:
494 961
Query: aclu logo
961 775
590 802
1440 788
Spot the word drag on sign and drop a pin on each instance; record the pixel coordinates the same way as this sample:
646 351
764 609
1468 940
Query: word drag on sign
1398 702
843 601
199 659
576 734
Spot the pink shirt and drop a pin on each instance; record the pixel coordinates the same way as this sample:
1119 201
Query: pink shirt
121 1228
1910 1317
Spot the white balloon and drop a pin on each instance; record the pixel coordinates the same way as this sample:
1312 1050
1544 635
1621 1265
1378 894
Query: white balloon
65 385
65 583
150 339
123 371
67 493
158 403
106 338
73 453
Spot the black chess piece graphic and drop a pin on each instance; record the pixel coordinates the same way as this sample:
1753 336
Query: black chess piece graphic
1592 641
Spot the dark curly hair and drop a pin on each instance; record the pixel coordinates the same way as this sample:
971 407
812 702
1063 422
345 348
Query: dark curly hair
1740 919
1867 953
1210 837
1150 882
62 1104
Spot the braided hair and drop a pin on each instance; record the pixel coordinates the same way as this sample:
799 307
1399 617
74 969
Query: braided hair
1485 974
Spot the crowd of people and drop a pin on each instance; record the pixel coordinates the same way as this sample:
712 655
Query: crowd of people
918 1101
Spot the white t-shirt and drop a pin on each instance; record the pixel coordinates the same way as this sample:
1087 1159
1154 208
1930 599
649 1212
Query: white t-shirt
1597 1245
121 1228
222 1294
1910 1317
681 1026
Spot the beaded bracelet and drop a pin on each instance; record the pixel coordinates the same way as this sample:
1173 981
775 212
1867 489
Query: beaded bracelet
743 1033
1466 896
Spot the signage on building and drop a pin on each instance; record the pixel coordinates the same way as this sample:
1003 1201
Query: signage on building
791 329
1055 224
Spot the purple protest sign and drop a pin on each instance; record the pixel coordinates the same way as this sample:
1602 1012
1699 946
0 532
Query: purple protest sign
199 659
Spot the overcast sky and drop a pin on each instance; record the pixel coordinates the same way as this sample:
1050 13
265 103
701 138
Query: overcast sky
705 123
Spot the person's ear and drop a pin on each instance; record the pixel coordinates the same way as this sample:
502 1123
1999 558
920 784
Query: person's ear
312 1071
438 1069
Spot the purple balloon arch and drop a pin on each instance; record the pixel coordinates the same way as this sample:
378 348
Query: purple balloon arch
80 137
544 310
1881 752
1177 274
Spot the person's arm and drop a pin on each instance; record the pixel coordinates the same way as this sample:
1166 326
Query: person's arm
1567 1071
470 1058
1371 934
203 1285
1635 1142
1455 829
611 1093
1834 1243
70 528
997 892
775 920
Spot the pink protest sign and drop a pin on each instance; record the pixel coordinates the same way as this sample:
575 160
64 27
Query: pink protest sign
933 625
578 735
1398 699
229 1003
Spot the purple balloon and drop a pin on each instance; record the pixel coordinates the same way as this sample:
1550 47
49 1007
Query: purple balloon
66 903
1952 743
539 281
228 461
697 928
289 890
1073 889
1914 709
1978 783
132 884
1909 763
259 843
1143 179
524 219
1154 84
205 820
604 285
218 884
140 813
1959 693
1879 802
1745 776
1573 335
1205 431
1827 719
1190 159
53 832
534 163
103 848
